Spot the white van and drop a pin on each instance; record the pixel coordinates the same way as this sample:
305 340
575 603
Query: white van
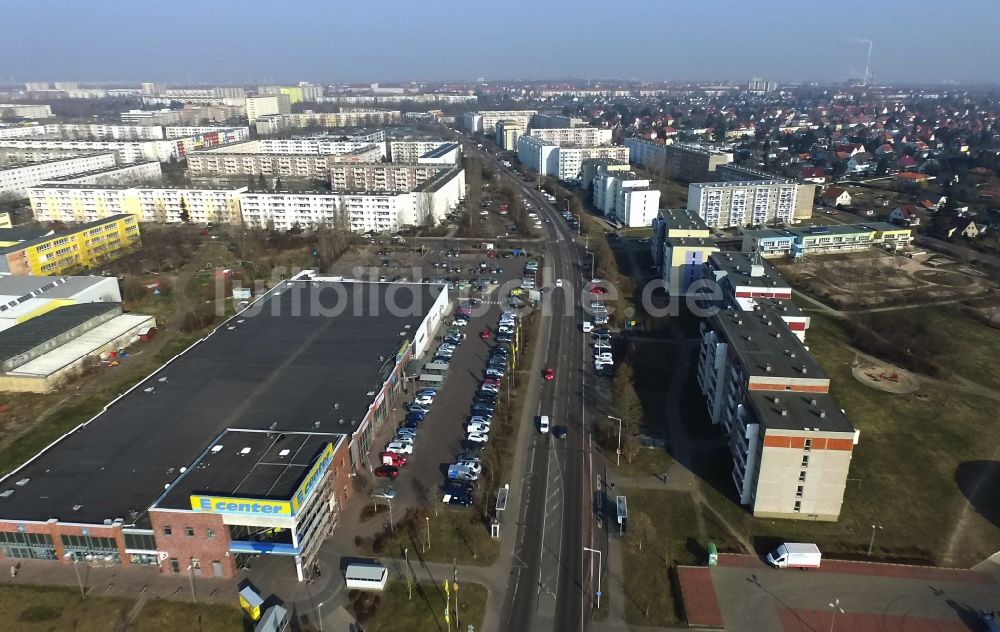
795 555
588 326
543 424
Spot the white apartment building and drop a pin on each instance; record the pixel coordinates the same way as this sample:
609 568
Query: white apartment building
571 159
582 136
651 154
18 178
408 151
289 165
539 155
258 107
353 118
565 163
373 210
82 203
127 151
737 204
556 120
508 132
84 131
485 121
134 173
625 198
25 111
382 176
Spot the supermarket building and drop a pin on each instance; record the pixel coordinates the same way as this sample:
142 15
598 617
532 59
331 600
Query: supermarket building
242 445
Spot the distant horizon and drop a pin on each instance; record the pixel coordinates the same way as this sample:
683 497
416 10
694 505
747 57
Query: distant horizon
473 83
194 43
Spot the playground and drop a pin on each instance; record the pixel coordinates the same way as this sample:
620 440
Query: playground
883 377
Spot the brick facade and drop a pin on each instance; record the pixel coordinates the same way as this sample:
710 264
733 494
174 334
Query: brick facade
209 542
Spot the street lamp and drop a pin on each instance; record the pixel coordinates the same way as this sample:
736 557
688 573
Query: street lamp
871 542
836 608
190 568
619 462
79 581
427 519
319 615
598 573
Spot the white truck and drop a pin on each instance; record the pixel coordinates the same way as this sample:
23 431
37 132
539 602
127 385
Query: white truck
795 555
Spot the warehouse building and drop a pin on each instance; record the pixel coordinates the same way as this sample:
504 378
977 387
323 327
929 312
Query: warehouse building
44 353
25 297
242 445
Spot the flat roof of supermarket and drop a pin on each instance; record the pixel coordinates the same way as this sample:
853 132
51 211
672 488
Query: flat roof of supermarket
288 361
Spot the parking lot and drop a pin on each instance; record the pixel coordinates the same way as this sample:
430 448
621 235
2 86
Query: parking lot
441 435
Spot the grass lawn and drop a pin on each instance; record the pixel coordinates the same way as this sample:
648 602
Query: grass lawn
975 350
160 614
425 611
908 471
649 462
677 541
456 533
29 608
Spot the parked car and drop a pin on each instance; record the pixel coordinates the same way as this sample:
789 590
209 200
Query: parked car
559 432
424 400
473 465
456 493
387 471
406 432
478 427
477 437
484 410
419 408
479 419
399 448
432 392
393 459
414 416
398 438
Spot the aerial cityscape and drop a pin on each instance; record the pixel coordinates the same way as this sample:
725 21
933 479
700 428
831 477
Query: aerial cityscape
384 317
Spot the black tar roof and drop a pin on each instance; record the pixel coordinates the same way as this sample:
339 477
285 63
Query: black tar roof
28 335
798 411
766 346
265 366
737 268
250 464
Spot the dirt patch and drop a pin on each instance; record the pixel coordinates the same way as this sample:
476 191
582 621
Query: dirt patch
884 377
942 277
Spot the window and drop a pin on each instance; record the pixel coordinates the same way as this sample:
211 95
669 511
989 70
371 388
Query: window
175 566
167 531
189 531
809 444
798 491
802 476
211 534
798 506
805 460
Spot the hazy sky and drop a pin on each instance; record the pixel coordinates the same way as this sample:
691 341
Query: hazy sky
249 41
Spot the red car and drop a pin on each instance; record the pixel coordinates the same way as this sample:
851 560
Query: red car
549 374
485 334
387 471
